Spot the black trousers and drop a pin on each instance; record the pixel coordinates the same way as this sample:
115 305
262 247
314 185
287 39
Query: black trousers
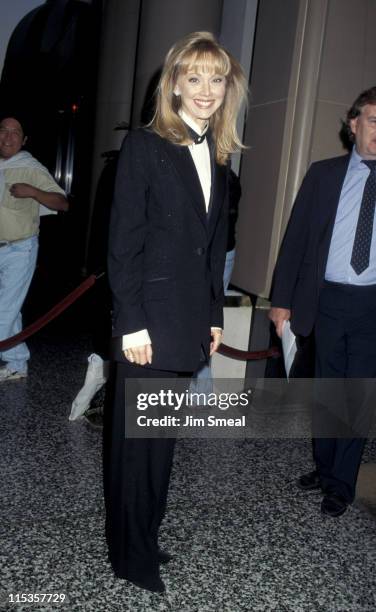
136 479
345 337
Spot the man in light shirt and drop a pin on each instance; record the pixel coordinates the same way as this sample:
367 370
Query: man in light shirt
325 280
24 185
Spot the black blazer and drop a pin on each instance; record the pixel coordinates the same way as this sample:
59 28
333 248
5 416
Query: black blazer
301 264
166 254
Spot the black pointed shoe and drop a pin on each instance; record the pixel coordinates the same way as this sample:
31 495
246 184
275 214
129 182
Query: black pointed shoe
333 505
148 581
309 482
163 556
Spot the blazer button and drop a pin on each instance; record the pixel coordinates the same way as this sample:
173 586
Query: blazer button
200 251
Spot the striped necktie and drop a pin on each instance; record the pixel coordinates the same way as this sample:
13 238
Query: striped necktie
363 235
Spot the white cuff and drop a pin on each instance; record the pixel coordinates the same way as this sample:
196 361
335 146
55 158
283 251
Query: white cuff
219 328
138 338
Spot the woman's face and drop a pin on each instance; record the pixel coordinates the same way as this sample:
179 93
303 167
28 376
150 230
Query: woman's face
201 93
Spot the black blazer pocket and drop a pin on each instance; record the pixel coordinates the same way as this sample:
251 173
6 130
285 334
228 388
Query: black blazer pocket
158 288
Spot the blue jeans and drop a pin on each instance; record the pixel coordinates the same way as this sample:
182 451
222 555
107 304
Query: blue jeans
17 265
202 381
229 266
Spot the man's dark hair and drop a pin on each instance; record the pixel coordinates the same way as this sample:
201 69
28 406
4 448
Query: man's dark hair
10 113
366 97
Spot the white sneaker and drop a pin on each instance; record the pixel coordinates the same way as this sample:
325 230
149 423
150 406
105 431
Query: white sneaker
7 374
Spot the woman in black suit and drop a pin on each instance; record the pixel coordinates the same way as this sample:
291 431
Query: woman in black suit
168 236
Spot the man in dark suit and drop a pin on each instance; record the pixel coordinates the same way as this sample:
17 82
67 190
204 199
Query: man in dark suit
325 280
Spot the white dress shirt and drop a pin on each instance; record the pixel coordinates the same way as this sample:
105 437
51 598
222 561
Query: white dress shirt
338 267
201 157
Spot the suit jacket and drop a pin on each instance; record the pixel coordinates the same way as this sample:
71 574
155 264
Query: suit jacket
301 264
166 254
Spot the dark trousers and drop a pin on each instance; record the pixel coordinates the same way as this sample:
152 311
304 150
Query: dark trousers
136 479
345 336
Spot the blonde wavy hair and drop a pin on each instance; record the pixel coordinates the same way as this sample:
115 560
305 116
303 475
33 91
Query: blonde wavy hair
200 50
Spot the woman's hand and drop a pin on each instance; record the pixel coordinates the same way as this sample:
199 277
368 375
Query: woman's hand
140 355
216 334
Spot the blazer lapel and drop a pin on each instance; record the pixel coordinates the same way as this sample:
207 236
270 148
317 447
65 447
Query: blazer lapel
213 174
332 186
218 188
186 169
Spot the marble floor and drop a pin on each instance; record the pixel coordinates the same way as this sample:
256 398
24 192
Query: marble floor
242 536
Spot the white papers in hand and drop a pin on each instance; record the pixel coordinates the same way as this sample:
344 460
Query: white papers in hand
288 346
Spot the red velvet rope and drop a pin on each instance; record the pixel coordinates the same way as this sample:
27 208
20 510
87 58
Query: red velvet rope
50 315
55 311
234 353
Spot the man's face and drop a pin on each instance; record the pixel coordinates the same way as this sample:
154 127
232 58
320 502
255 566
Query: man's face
364 129
11 137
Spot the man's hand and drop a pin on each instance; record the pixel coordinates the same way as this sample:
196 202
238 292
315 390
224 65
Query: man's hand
139 355
216 334
22 190
279 316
